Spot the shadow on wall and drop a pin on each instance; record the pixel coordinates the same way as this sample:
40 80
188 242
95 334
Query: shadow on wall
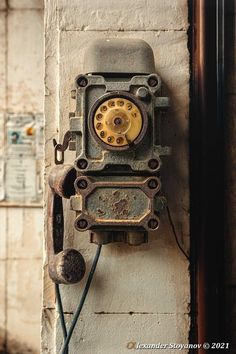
13 346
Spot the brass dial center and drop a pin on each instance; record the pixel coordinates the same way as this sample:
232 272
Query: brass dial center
118 121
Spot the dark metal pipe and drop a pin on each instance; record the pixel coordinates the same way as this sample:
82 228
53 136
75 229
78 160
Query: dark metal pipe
206 170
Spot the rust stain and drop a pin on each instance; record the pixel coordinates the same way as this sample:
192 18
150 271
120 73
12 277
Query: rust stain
121 207
116 193
101 212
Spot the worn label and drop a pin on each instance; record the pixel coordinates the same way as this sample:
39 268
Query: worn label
21 132
23 159
21 179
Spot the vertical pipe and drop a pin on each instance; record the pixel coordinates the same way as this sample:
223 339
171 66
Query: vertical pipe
206 168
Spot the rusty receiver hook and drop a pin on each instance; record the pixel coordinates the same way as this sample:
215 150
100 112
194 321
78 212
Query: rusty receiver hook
65 266
62 147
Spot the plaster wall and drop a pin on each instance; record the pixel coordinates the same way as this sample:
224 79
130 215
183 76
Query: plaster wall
21 228
142 293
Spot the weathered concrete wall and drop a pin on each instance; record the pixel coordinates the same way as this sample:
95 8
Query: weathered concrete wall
138 294
21 229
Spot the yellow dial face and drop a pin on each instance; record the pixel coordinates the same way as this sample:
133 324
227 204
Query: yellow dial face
118 122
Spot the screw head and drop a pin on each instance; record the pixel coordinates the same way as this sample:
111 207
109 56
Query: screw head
142 93
153 164
152 81
152 184
118 121
82 164
82 184
82 224
82 81
153 224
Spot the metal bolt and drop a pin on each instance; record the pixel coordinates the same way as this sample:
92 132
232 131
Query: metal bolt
82 164
152 184
110 139
153 164
118 121
102 134
82 224
152 81
153 224
82 184
82 81
142 93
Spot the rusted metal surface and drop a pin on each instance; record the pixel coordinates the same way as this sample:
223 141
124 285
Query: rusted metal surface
118 55
65 266
131 98
132 238
61 180
114 186
134 158
116 205
68 137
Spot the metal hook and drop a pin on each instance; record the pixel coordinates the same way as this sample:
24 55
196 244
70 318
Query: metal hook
61 147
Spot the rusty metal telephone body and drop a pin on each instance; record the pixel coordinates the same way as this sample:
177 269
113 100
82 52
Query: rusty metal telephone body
114 184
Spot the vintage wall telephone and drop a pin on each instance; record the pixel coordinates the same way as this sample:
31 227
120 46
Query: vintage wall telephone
114 184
